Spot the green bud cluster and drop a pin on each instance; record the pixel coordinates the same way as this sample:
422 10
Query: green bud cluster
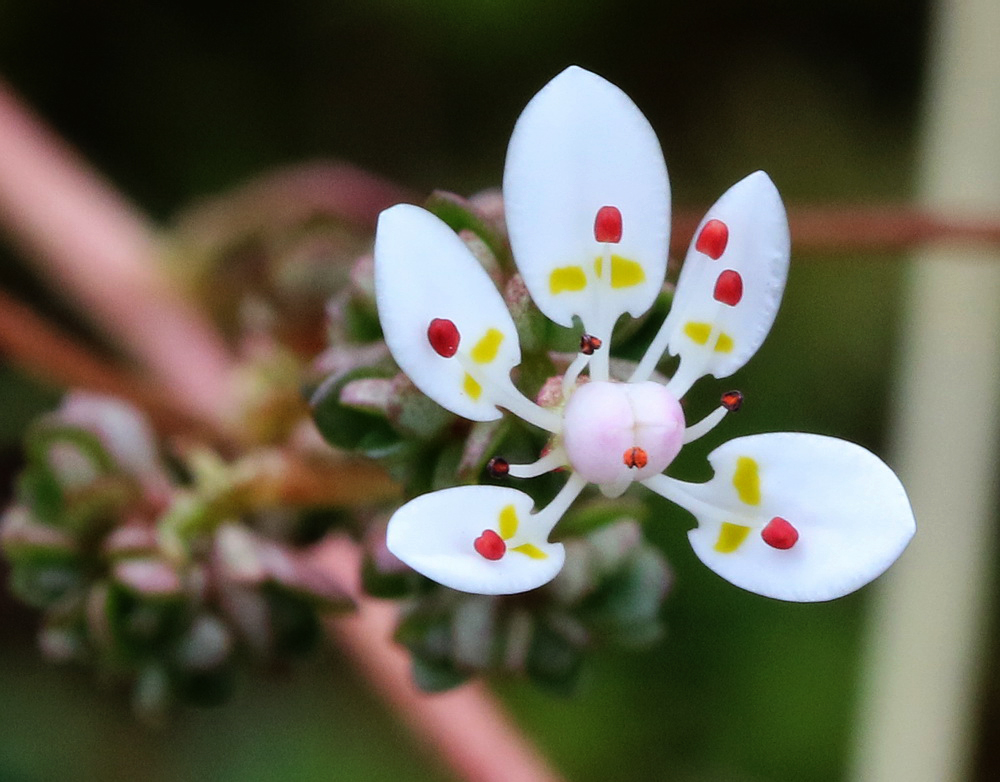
151 574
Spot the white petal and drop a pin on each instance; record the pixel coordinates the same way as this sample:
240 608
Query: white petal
849 508
424 271
435 534
581 144
724 306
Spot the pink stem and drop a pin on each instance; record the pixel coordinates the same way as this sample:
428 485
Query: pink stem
851 229
105 255
466 726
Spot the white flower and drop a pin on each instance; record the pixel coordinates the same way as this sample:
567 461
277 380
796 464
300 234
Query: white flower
789 515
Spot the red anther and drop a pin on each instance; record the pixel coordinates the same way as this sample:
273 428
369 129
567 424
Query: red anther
608 225
490 545
779 534
732 400
729 288
713 239
589 343
635 458
444 337
498 467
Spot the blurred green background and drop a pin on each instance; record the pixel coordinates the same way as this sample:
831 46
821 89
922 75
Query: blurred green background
181 100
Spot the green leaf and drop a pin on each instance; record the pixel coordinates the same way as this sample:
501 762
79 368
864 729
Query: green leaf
27 541
346 427
460 215
40 491
361 321
554 662
387 585
139 627
626 608
294 622
43 585
595 514
435 675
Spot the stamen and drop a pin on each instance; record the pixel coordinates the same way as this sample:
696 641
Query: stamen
691 497
713 239
549 516
608 225
705 425
551 460
444 337
732 400
573 372
635 458
779 534
501 391
729 288
498 467
589 343
490 546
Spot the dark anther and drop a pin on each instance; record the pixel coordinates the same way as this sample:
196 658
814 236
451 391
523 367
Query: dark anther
588 344
498 467
732 400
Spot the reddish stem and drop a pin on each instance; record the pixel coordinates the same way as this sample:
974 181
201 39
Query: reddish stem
467 728
55 357
851 229
104 254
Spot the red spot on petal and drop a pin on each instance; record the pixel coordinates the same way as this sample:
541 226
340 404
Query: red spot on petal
732 400
490 545
444 337
589 343
608 224
729 288
713 239
498 467
779 534
635 458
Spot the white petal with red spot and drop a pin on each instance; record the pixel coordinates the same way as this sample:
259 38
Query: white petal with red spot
579 147
424 275
848 509
732 280
451 537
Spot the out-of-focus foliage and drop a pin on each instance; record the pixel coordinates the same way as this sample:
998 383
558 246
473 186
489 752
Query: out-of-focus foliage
157 579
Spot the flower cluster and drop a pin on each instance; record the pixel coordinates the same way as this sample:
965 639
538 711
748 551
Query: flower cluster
788 515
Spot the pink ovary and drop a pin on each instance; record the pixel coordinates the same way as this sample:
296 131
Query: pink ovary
604 420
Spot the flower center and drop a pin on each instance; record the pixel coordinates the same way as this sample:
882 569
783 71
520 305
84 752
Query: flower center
615 432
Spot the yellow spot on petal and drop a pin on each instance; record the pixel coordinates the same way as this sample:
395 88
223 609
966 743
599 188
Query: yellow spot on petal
625 272
508 522
698 332
531 550
486 349
746 479
724 344
731 537
567 278
471 387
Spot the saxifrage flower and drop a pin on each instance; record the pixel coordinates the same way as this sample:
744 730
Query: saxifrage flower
790 515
